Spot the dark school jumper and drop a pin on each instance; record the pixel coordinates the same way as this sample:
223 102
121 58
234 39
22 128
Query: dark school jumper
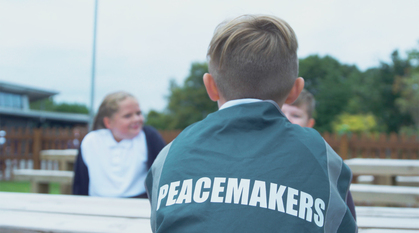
246 168
81 182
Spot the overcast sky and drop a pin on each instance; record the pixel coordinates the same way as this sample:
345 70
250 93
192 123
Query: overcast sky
141 45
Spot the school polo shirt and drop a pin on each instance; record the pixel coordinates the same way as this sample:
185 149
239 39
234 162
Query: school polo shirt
116 169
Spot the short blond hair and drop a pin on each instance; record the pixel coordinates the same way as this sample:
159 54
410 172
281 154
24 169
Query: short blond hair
306 99
108 107
254 56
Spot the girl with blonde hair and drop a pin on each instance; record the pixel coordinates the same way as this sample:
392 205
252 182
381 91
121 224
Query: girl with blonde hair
114 158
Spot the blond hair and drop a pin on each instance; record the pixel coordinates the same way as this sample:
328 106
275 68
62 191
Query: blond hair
254 56
306 99
108 107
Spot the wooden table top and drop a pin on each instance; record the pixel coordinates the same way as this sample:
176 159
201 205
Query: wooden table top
69 213
58 154
392 167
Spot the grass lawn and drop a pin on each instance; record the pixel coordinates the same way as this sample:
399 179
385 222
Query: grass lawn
25 187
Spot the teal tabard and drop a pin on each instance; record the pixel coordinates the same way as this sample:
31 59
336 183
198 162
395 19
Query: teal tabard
246 168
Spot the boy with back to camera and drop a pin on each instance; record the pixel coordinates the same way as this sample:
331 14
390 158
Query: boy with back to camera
246 168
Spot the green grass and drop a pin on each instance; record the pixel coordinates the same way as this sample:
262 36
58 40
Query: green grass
25 187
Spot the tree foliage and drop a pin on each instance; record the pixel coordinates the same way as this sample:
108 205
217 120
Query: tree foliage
383 98
380 92
50 105
187 104
408 86
330 83
355 123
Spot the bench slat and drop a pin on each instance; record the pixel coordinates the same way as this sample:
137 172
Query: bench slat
393 212
41 179
32 172
386 231
388 223
68 213
62 152
12 220
72 204
383 194
391 167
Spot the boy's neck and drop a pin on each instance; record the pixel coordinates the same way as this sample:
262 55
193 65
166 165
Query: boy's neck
220 103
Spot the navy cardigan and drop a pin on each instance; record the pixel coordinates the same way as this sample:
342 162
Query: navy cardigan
81 175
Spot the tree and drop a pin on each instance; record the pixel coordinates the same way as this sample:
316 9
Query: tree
187 104
325 77
50 105
388 94
330 83
355 123
381 92
408 86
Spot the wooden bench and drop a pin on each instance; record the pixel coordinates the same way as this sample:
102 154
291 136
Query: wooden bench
64 157
387 219
384 171
29 212
399 180
23 212
380 230
385 195
407 181
41 179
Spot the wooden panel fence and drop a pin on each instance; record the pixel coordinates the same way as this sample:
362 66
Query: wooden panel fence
374 146
22 146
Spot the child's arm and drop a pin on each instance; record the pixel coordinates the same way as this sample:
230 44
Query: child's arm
351 205
155 143
81 176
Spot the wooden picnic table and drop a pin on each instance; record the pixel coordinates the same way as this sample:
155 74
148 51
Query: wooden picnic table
41 179
23 212
385 219
385 195
384 170
65 158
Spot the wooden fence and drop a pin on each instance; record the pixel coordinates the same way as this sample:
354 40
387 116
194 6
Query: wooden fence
22 146
374 146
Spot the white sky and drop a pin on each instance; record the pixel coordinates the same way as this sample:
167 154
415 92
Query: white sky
141 45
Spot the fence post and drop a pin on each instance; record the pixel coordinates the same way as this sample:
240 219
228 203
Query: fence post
393 142
36 148
343 147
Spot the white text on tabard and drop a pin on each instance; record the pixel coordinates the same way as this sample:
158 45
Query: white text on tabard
237 191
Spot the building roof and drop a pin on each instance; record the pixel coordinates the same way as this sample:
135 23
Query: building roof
68 117
32 93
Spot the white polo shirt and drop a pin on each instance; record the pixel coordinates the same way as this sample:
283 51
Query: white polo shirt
232 103
116 169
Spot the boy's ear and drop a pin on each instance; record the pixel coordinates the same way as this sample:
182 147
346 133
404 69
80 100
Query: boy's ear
295 91
107 122
211 87
311 123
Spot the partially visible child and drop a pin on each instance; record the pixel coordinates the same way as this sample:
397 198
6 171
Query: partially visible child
114 158
301 111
